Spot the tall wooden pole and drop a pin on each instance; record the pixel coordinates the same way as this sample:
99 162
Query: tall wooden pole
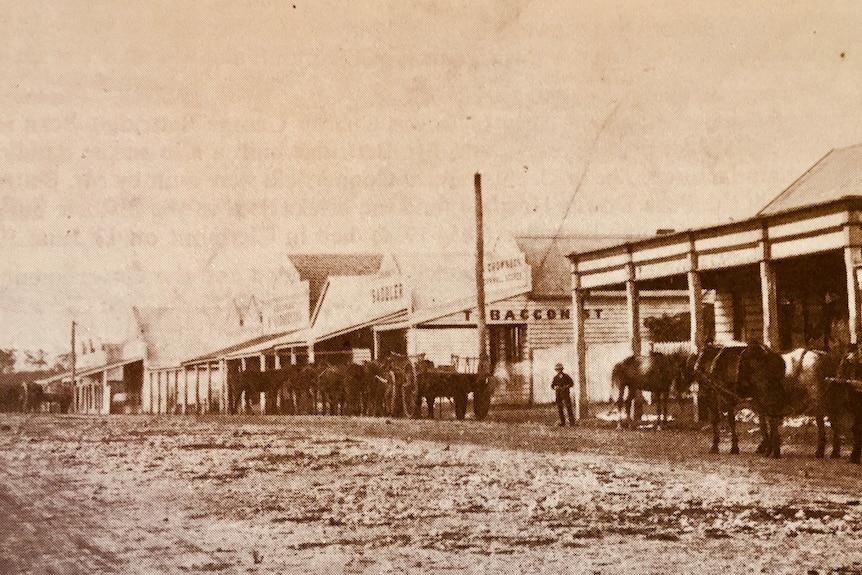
74 385
484 361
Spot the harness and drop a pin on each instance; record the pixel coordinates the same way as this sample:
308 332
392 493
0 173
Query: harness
710 381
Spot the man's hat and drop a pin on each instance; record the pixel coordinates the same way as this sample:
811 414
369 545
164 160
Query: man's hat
558 366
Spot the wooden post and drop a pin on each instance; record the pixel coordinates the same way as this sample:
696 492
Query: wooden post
224 395
198 389
376 337
484 361
633 305
768 293
74 383
165 402
185 390
853 263
695 300
209 388
581 399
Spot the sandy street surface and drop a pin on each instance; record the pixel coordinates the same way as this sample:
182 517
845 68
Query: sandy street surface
141 494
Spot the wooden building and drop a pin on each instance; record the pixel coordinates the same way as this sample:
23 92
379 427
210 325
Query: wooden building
788 277
325 315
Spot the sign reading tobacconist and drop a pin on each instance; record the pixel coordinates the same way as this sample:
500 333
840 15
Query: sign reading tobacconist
511 313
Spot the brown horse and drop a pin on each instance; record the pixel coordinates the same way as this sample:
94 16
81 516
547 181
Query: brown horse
808 387
724 375
655 372
295 389
246 387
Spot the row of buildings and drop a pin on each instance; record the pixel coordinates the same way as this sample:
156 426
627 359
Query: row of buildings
788 276
364 306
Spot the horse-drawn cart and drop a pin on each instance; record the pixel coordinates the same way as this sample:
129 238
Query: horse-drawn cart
412 379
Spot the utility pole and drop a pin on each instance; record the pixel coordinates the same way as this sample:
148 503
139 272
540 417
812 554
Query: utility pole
74 387
484 361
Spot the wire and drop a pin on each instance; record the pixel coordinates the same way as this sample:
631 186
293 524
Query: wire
579 184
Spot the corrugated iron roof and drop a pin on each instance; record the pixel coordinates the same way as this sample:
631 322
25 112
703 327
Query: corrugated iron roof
250 343
547 257
347 304
88 371
315 268
836 175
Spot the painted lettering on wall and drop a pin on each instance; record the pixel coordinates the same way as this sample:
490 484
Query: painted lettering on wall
512 315
507 271
390 292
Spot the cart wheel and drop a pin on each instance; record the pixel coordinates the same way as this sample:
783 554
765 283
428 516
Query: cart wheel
460 405
482 399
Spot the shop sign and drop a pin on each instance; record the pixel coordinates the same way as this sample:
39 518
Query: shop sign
506 272
508 315
289 311
522 315
388 292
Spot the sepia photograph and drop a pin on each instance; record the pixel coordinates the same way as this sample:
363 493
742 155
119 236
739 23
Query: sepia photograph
430 286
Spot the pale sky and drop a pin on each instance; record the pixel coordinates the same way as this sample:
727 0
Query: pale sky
156 150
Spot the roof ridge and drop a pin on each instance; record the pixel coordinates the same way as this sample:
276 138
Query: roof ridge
805 175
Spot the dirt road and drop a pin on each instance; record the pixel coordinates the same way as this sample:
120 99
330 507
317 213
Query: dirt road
332 495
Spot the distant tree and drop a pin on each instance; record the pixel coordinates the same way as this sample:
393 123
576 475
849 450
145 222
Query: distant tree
7 360
63 362
37 359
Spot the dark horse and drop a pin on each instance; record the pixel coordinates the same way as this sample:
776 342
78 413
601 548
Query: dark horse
655 372
716 372
726 376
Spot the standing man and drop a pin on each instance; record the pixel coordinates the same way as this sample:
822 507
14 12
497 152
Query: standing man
561 384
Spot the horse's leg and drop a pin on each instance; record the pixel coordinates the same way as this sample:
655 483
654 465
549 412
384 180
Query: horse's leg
666 404
621 404
714 417
763 446
734 438
663 399
429 401
629 416
821 436
857 438
775 431
638 401
834 422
